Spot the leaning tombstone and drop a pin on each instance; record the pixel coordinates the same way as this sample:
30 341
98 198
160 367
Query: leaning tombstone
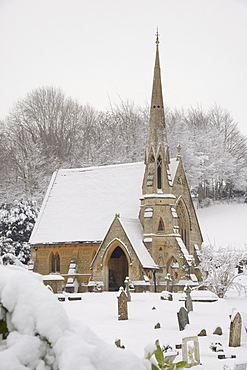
127 288
183 318
122 305
190 351
188 299
235 330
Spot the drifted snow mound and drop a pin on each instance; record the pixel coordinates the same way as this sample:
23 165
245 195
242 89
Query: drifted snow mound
41 337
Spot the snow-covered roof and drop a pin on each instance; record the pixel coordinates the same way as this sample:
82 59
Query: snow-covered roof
80 203
173 168
54 277
134 232
188 257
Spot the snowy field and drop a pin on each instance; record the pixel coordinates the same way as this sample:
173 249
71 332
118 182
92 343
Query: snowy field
223 225
99 312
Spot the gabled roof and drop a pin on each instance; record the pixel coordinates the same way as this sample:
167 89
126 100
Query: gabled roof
134 232
80 203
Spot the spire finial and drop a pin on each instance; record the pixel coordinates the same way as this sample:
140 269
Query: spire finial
157 36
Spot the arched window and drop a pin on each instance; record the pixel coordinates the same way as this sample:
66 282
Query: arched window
183 222
173 268
159 172
55 262
161 227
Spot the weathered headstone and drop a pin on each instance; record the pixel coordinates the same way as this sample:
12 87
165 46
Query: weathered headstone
157 326
122 305
218 331
190 350
235 330
183 318
127 288
118 343
203 333
168 281
188 299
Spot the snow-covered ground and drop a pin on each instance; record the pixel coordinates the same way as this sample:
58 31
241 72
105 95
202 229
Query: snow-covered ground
224 225
99 312
72 335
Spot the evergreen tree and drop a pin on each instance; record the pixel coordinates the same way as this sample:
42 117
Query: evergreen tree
16 223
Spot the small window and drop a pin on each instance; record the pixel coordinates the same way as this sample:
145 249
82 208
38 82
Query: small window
159 173
161 226
148 212
55 262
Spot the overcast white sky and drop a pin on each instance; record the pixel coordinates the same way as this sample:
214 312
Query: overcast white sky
100 50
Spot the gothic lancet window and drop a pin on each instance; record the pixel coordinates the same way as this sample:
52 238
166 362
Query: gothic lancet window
55 262
183 222
161 226
159 172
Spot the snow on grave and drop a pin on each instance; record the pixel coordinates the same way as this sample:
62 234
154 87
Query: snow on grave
55 281
201 296
42 337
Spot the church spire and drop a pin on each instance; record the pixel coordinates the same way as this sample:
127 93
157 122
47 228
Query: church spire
157 131
156 179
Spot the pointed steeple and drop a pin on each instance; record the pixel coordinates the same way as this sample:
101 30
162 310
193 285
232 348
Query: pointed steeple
157 159
157 139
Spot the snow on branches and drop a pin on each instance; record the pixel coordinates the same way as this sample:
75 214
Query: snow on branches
220 268
16 223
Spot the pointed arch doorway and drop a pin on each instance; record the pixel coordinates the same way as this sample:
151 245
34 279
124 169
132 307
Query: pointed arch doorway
117 269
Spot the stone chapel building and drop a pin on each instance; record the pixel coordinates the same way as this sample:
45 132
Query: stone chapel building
98 225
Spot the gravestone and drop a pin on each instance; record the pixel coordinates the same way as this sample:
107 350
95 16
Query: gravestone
218 331
188 299
118 344
203 333
235 330
168 281
190 351
183 318
127 288
122 305
242 366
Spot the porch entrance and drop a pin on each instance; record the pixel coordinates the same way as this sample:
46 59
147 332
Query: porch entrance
118 269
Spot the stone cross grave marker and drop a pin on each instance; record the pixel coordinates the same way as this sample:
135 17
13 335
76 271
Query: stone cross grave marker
188 299
235 330
122 305
190 350
168 281
183 318
127 288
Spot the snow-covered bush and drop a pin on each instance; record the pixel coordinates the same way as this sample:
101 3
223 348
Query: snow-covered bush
219 268
16 223
41 337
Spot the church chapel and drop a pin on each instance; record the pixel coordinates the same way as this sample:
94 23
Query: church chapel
98 225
